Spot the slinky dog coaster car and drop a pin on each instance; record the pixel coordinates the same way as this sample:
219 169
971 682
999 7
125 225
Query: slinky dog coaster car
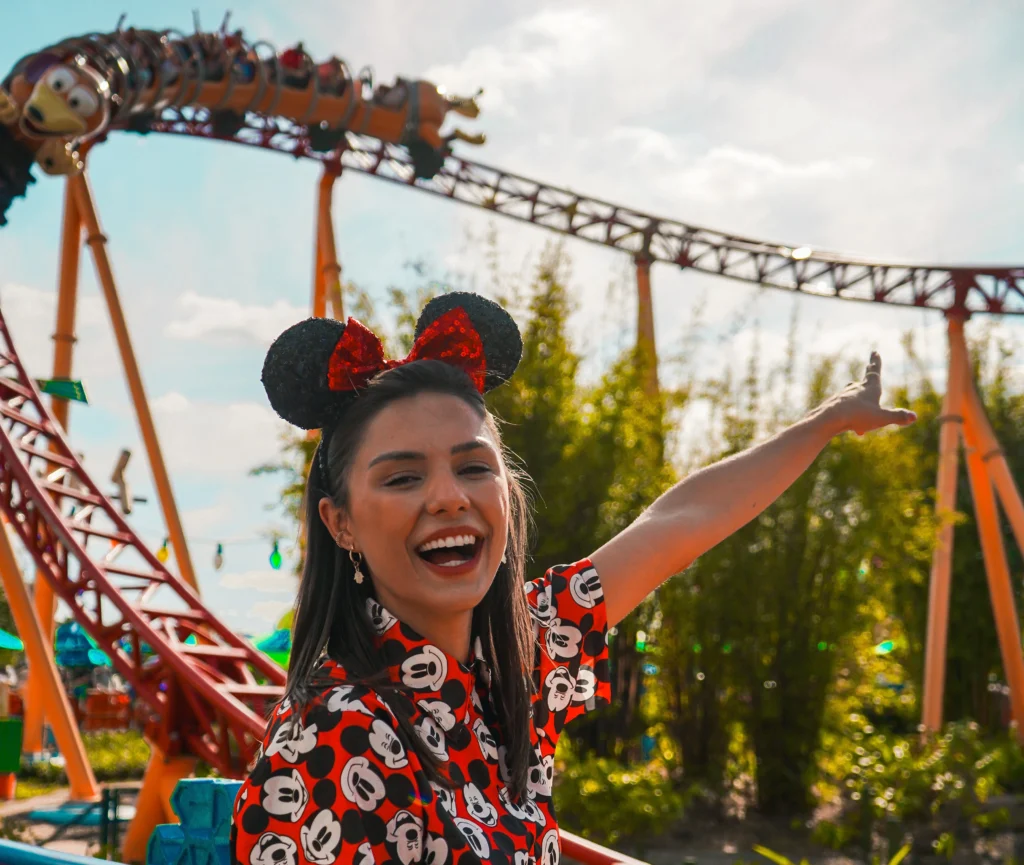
62 97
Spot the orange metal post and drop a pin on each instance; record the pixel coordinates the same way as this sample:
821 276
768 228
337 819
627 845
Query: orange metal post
330 270
995 463
39 652
645 321
942 558
1000 589
64 339
105 276
154 803
319 293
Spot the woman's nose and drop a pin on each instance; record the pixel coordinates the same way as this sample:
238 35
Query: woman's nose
446 495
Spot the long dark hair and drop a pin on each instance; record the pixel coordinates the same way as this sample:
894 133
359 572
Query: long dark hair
330 610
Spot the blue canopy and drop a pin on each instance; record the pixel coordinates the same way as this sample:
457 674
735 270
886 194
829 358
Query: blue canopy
11 642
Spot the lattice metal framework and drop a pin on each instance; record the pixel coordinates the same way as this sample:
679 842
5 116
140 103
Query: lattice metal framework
203 697
994 290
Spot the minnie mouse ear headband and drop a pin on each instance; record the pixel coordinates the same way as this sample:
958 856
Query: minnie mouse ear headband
316 368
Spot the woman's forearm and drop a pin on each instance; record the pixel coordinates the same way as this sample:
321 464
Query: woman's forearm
716 501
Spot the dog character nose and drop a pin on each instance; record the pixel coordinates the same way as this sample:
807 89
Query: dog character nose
36 114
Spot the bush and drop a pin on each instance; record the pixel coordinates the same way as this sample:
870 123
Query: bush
607 803
933 786
114 756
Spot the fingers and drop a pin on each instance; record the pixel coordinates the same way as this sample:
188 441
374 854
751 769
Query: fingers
900 416
874 366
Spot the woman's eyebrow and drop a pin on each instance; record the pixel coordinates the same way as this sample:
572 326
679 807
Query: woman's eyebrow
395 456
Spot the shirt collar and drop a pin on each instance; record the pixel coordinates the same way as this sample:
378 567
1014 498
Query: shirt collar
437 682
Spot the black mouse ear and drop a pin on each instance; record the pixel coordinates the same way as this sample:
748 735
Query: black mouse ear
499 334
295 373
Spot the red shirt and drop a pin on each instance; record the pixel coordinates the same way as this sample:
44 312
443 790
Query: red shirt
337 783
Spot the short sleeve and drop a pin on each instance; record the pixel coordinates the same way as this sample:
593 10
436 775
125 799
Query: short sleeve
571 674
334 784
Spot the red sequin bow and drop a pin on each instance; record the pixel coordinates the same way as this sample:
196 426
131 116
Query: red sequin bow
359 356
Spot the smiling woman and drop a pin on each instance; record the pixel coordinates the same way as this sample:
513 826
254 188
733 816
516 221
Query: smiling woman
429 682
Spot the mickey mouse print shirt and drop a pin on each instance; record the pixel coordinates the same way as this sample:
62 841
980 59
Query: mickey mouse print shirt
336 783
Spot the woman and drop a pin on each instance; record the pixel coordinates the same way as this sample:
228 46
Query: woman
427 690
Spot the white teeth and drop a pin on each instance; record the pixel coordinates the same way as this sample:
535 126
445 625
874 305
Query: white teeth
451 541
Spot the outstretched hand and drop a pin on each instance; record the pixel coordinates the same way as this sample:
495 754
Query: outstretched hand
857 407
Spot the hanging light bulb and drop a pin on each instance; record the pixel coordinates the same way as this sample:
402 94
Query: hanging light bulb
163 554
218 557
275 558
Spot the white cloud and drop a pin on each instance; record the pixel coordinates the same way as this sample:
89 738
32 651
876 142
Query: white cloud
263 581
207 438
227 321
534 51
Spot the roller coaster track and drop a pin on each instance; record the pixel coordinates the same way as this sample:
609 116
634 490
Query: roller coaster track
976 289
203 698
210 699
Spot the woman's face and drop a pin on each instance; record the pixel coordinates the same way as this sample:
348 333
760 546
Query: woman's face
428 508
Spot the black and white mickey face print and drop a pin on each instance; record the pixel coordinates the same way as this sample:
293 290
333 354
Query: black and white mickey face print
363 854
503 764
532 809
321 838
560 687
485 738
562 640
361 784
274 849
513 808
432 737
476 837
284 795
344 699
380 618
543 608
292 740
585 588
405 831
479 808
440 711
437 850
446 797
425 670
541 775
552 850
585 686
336 784
387 745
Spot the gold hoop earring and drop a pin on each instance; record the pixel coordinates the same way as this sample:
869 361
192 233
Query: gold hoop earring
357 560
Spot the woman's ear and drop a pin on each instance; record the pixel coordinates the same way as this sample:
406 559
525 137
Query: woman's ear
337 523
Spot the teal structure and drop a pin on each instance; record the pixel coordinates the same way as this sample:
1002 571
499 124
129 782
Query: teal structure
204 806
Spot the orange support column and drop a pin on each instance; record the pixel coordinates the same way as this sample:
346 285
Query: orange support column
64 340
645 321
1000 589
154 803
942 558
330 269
998 470
39 652
105 277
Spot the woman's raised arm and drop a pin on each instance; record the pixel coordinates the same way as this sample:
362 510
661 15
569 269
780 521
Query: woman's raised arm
709 505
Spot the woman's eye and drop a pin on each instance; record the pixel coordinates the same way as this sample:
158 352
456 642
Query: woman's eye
476 468
400 480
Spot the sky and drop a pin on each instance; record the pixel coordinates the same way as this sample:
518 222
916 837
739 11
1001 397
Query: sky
887 131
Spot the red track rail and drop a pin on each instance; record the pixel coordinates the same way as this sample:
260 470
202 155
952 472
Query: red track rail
981 289
204 699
